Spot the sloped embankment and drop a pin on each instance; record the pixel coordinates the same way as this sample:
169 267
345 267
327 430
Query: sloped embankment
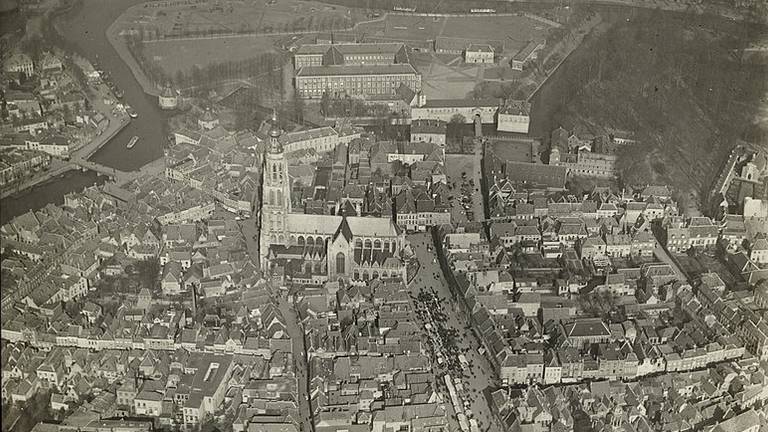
681 83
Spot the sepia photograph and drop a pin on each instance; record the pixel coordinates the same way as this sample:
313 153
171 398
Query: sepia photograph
384 215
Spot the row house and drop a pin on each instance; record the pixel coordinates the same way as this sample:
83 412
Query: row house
697 232
618 245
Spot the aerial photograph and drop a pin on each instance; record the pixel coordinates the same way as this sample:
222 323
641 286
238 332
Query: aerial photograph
384 215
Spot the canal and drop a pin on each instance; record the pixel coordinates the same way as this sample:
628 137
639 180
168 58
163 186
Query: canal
50 192
84 26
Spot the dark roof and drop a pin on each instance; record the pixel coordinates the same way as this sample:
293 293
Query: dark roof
393 69
480 48
428 126
344 230
351 49
405 93
588 327
516 107
333 57
548 175
461 103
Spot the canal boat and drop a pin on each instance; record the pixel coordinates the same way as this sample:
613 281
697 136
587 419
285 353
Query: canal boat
132 142
131 112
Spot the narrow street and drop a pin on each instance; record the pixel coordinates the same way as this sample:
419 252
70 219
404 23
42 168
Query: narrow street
478 206
480 373
662 255
250 231
296 334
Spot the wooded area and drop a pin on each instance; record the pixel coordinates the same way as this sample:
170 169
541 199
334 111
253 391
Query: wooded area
680 83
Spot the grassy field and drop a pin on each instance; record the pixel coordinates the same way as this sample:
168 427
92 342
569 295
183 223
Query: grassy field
441 81
513 31
501 74
181 55
516 150
405 27
238 17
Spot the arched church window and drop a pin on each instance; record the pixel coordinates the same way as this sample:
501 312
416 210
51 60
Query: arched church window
341 262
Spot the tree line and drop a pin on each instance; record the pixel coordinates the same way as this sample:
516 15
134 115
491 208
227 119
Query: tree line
266 65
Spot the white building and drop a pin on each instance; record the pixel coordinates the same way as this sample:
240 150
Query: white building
515 116
322 139
431 131
446 109
168 99
479 53
526 54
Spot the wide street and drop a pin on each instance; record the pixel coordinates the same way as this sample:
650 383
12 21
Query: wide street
480 375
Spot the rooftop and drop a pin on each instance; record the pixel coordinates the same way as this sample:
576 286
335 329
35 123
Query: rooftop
351 70
351 49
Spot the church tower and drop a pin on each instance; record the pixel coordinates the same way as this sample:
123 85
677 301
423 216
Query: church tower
276 194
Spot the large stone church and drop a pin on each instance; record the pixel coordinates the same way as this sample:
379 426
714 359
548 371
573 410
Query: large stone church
324 247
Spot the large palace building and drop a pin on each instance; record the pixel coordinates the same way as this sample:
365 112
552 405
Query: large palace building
359 70
358 80
325 247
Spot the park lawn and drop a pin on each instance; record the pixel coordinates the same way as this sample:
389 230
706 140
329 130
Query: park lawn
516 150
181 55
513 31
408 27
501 73
236 16
447 82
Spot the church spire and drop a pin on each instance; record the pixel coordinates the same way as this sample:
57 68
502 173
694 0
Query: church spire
274 135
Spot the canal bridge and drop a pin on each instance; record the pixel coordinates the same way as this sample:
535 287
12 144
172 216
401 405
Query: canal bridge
154 168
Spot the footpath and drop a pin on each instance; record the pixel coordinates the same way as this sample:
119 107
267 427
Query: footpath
565 47
114 39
